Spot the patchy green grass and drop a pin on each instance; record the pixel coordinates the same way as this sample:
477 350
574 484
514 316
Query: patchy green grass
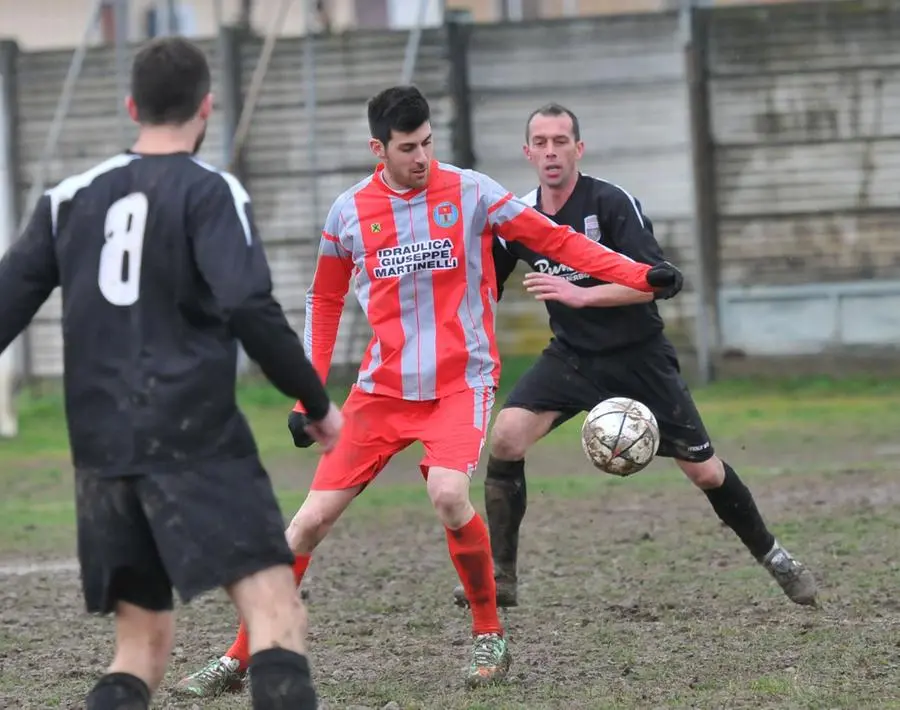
771 425
633 595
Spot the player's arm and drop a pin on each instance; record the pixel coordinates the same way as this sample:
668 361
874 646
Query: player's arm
504 264
513 220
232 261
545 287
28 274
325 296
324 306
626 227
631 233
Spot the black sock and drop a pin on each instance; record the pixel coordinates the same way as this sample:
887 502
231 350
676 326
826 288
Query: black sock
119 691
280 680
505 501
735 507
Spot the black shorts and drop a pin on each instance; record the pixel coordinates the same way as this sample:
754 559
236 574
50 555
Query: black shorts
195 530
570 383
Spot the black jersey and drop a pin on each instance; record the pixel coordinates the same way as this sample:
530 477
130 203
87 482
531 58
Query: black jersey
162 272
608 214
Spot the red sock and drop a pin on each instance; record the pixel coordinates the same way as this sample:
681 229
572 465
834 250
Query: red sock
240 649
470 550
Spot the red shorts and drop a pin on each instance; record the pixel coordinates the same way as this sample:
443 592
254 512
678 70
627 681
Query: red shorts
451 429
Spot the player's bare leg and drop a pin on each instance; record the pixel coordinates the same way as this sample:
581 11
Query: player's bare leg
307 529
276 620
734 505
143 646
505 497
467 538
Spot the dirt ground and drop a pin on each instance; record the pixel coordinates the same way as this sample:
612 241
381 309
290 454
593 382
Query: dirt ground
633 596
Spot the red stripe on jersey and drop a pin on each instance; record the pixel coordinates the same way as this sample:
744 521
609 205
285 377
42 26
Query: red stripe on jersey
377 230
499 203
444 195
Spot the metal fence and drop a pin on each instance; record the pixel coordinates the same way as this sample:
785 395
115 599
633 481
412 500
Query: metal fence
761 141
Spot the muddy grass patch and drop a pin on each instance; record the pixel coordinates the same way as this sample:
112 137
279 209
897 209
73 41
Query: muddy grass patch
629 601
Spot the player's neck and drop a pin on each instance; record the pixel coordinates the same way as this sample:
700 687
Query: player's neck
164 140
554 197
388 180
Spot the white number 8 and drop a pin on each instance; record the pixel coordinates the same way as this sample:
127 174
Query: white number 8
120 257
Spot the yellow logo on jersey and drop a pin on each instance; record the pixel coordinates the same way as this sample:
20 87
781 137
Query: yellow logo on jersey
375 227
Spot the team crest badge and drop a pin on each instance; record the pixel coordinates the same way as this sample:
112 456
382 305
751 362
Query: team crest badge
592 227
445 215
375 227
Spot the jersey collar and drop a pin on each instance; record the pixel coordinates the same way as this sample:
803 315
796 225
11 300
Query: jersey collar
378 179
575 190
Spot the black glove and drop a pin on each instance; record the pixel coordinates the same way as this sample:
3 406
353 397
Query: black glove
665 279
297 422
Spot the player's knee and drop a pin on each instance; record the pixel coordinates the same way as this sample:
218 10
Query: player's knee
306 530
509 442
449 494
313 521
704 474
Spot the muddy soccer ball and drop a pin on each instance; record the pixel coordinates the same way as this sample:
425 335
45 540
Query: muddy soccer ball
620 436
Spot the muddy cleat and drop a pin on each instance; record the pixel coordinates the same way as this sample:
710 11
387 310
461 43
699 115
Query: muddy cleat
507 594
795 580
490 661
221 676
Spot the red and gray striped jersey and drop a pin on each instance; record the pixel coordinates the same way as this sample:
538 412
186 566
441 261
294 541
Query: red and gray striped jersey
422 266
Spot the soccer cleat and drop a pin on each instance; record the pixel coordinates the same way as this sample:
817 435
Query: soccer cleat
222 675
490 661
795 580
507 593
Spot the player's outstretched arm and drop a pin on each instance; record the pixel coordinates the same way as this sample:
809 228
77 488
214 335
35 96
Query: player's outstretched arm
515 221
232 261
545 287
28 274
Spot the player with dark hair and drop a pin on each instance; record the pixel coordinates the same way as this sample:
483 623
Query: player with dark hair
162 273
417 238
608 341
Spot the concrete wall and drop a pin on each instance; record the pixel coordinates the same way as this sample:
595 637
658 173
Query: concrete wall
803 147
624 77
805 109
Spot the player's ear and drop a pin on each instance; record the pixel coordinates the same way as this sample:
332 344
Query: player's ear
377 148
206 107
131 107
579 149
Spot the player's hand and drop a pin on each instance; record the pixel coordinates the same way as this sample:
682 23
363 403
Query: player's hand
325 432
545 287
297 423
666 280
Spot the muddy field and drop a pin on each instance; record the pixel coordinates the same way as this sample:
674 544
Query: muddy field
633 595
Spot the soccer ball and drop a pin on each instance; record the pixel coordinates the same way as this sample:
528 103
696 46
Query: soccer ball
620 436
